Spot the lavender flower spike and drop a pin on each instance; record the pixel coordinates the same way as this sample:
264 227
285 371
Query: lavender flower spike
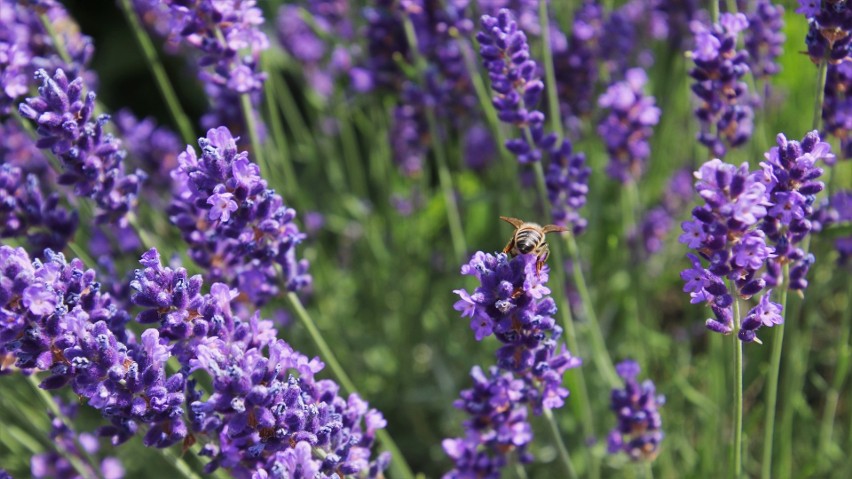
764 39
639 429
725 110
514 79
236 226
830 29
92 159
628 126
567 181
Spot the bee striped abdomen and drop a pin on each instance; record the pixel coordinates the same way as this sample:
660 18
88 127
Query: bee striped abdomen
528 239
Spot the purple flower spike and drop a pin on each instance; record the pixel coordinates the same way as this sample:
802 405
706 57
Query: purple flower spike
628 126
837 107
92 159
237 227
790 173
726 232
639 430
724 109
512 303
764 39
567 181
517 87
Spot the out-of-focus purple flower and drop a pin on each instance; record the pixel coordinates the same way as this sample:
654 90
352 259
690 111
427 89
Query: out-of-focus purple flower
236 226
152 148
638 432
92 159
386 41
726 232
830 25
790 173
526 11
575 62
512 303
19 150
764 38
26 213
479 147
628 126
567 181
724 109
227 38
677 15
515 81
659 220
55 465
837 107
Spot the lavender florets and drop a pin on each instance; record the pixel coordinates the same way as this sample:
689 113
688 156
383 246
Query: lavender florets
515 81
628 126
92 159
567 181
236 226
725 110
830 25
639 430
764 39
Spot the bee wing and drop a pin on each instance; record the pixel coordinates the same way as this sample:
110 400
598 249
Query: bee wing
512 221
554 229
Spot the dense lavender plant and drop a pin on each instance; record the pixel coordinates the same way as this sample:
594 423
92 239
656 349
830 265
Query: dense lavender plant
236 226
764 39
55 465
567 181
830 25
512 303
790 174
725 231
514 79
91 158
725 109
386 41
638 432
628 126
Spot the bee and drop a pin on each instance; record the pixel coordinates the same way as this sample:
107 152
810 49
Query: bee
529 238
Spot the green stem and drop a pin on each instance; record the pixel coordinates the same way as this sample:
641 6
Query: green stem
90 466
549 71
714 11
772 382
156 66
630 215
179 463
279 138
254 138
822 71
453 216
600 353
833 396
738 393
398 464
557 437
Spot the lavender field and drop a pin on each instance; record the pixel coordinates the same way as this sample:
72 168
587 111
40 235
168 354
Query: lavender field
459 239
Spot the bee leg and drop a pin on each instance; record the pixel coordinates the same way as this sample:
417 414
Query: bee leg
517 292
509 246
542 258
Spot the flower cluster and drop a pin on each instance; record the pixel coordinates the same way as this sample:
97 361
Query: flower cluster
92 159
567 181
386 42
764 39
267 412
725 231
236 226
514 79
837 106
830 25
628 126
512 303
725 110
639 430
55 465
790 175
26 213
